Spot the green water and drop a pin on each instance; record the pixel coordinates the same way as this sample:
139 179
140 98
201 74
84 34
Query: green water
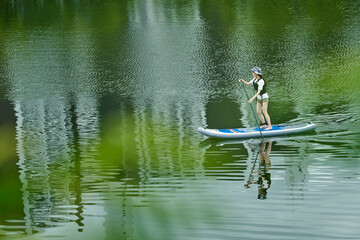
101 100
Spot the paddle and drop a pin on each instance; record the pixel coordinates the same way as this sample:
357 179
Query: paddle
253 167
252 109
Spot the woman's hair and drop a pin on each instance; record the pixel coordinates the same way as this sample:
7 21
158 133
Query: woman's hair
261 76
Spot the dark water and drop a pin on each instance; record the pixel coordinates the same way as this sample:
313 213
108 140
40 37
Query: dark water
100 102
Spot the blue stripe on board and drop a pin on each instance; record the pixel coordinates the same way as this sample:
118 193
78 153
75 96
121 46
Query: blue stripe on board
274 128
234 130
230 130
224 130
237 130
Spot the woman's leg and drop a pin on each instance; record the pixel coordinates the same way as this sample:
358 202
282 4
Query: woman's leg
267 117
259 113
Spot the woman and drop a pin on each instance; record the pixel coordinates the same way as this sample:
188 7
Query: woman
260 84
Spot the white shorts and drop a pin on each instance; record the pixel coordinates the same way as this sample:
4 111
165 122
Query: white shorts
262 97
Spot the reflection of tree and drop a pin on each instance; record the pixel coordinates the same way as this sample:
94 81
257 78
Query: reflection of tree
152 152
46 150
43 160
59 136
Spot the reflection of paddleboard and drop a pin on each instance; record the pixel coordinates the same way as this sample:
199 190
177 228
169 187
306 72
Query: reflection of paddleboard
255 133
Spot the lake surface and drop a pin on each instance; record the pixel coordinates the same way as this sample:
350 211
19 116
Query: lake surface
101 100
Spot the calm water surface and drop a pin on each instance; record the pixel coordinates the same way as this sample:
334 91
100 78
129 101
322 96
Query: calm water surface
100 104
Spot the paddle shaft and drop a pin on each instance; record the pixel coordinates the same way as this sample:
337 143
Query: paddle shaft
252 109
253 166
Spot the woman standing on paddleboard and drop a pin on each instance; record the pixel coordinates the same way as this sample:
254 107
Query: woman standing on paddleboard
259 83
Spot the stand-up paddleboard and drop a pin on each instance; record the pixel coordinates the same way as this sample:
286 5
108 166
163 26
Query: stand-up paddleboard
278 130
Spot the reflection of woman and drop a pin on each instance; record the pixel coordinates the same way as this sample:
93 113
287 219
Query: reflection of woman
264 180
260 84
265 158
264 177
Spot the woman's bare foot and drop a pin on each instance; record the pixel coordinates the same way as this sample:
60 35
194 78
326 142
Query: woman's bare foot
263 126
268 128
